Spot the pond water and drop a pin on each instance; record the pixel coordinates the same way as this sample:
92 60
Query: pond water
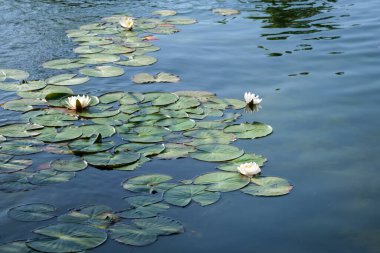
316 65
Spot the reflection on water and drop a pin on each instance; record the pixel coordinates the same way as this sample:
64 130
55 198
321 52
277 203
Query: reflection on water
290 17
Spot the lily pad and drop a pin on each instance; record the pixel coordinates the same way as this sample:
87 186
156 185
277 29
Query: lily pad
117 49
174 151
54 119
50 134
226 12
176 124
67 79
14 74
131 98
99 216
184 103
104 130
268 187
142 148
249 131
16 247
64 64
148 183
222 181
108 160
68 165
32 212
164 13
111 97
9 165
138 60
44 177
20 130
161 77
21 147
23 105
62 238
180 21
41 94
87 146
88 50
216 153
143 207
182 195
102 71
99 58
22 86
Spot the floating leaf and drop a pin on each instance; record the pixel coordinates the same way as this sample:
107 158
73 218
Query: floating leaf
99 58
32 212
13 74
23 86
268 187
44 177
143 207
54 119
216 153
9 165
68 165
160 225
88 50
23 105
175 124
184 103
41 94
148 183
132 235
19 130
15 182
108 160
67 79
99 216
117 49
181 21
209 134
21 147
63 238
164 13
134 165
104 130
235 103
50 134
163 29
111 97
182 195
138 60
131 98
223 181
16 247
249 131
226 12
142 148
158 78
63 64
102 71
174 151
87 146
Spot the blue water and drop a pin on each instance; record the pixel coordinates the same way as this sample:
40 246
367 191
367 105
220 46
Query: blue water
316 65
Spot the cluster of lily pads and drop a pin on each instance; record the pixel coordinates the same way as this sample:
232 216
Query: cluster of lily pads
121 131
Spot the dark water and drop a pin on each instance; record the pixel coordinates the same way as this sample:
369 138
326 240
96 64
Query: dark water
315 63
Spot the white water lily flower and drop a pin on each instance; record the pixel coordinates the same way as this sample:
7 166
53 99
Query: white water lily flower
251 98
249 169
84 101
126 22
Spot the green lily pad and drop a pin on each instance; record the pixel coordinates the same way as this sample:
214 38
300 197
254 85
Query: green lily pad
182 195
41 94
226 12
63 64
143 50
21 147
148 183
184 103
145 231
246 158
44 177
131 98
138 60
54 119
108 160
61 238
209 134
88 50
23 105
216 153
180 21
67 79
268 187
117 49
163 30
97 112
50 134
143 207
222 181
161 77
20 130
32 212
99 216
16 247
102 71
68 165
211 125
176 124
235 103
104 130
23 86
88 146
111 97
134 165
14 74
142 148
249 131
99 58
174 151
9 165
15 182
164 13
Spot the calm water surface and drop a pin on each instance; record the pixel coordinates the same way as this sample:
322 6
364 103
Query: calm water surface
315 63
